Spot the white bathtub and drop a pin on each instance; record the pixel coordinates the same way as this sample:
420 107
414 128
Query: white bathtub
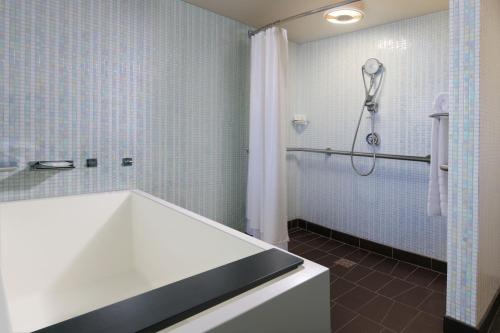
63 257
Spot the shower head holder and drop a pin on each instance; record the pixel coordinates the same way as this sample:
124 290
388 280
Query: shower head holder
371 106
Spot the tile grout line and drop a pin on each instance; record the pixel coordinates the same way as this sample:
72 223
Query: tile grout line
411 321
371 268
392 251
378 324
350 321
389 311
344 293
383 286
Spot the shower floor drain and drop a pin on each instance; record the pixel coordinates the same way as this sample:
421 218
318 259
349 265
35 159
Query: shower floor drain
345 263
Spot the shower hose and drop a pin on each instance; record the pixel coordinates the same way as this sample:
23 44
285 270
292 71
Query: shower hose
371 93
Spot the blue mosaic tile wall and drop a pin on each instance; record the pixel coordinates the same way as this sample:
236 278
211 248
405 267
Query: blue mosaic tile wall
161 81
390 206
76 83
200 132
463 161
98 79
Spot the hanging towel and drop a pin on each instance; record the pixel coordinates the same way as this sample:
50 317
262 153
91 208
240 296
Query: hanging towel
437 204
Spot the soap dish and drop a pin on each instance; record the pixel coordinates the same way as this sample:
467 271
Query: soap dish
52 165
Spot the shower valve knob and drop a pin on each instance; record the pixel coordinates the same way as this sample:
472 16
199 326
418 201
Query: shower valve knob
373 139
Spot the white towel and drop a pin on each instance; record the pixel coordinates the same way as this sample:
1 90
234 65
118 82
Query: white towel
437 203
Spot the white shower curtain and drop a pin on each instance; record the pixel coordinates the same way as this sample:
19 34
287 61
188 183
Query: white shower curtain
266 190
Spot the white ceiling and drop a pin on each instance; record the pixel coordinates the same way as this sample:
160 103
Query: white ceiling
257 13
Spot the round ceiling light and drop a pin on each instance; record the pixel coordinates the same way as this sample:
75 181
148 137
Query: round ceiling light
344 16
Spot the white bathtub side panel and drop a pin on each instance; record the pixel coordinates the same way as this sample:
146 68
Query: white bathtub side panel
305 308
4 314
59 243
295 302
169 246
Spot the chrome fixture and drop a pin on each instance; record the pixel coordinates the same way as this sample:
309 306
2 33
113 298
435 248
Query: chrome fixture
373 139
91 162
296 122
329 151
251 33
439 115
52 165
374 71
127 161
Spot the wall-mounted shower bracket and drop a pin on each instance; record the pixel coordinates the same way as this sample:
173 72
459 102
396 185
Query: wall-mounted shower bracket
371 106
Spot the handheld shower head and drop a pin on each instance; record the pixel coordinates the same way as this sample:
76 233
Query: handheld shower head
372 66
374 71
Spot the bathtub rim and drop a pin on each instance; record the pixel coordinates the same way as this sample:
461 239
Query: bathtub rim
238 305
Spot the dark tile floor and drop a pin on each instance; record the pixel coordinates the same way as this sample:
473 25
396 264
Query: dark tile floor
372 293
495 325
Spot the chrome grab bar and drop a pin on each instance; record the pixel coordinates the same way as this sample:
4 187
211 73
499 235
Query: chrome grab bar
328 151
439 115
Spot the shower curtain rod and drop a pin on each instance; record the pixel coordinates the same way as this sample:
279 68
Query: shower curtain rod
304 14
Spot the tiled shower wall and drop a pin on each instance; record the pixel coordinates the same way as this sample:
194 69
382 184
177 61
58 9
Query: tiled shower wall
473 266
75 83
162 82
201 111
464 161
326 85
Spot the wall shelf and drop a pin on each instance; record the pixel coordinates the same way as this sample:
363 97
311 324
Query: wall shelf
52 165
